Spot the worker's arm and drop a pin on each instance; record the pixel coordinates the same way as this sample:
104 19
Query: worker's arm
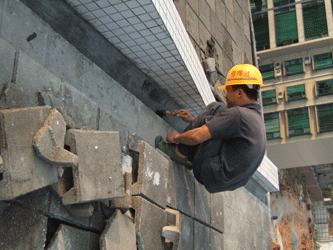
190 137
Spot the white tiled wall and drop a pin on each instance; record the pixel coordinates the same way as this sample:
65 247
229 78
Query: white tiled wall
152 35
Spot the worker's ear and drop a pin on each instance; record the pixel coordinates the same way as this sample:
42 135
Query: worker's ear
240 92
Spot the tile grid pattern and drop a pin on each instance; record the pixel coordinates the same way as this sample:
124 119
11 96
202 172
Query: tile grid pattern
152 35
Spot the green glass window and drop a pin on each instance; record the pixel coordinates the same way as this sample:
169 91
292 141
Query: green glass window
298 122
323 61
267 71
285 26
325 117
282 2
325 87
258 5
293 67
296 92
260 25
314 17
272 124
268 97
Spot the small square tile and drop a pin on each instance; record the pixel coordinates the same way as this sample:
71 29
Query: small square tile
103 3
139 11
92 6
141 41
124 38
144 17
149 8
115 40
130 43
146 46
122 23
145 32
102 28
133 20
116 17
120 7
88 16
74 3
150 24
139 26
135 35
129 29
136 49
112 26
105 19
98 13
151 38
81 9
110 10
127 14
132 4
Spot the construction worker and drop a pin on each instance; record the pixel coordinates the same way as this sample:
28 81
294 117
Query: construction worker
225 144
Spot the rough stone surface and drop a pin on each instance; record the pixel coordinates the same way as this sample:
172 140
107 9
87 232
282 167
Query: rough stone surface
119 233
22 229
50 139
81 210
149 222
124 203
23 170
68 238
152 173
98 175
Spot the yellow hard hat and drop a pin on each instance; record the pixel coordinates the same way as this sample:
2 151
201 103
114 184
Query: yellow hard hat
243 74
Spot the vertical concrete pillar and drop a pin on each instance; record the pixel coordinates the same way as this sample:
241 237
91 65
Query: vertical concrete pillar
329 17
271 24
300 23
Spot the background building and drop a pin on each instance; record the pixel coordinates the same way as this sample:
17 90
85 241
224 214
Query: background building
294 44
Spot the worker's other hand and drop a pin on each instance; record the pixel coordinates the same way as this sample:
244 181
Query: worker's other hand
171 136
184 115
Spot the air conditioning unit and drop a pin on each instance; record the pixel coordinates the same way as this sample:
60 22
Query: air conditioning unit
277 65
307 60
278 72
280 95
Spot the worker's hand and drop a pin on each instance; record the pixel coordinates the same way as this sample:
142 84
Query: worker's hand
171 136
184 115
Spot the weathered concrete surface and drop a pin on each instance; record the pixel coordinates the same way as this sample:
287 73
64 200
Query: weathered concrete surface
68 238
181 191
49 142
98 175
22 229
23 170
151 173
119 233
124 203
149 222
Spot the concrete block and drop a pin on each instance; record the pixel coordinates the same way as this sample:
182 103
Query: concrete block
81 210
152 173
124 203
22 228
119 233
68 238
149 222
202 201
181 189
98 175
187 233
23 170
171 232
217 211
50 139
45 201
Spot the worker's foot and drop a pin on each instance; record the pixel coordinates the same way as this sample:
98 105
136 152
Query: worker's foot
171 150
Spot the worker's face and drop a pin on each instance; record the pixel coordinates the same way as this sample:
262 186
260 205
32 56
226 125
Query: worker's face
231 97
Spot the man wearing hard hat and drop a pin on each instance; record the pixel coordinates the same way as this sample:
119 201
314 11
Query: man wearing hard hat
225 144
